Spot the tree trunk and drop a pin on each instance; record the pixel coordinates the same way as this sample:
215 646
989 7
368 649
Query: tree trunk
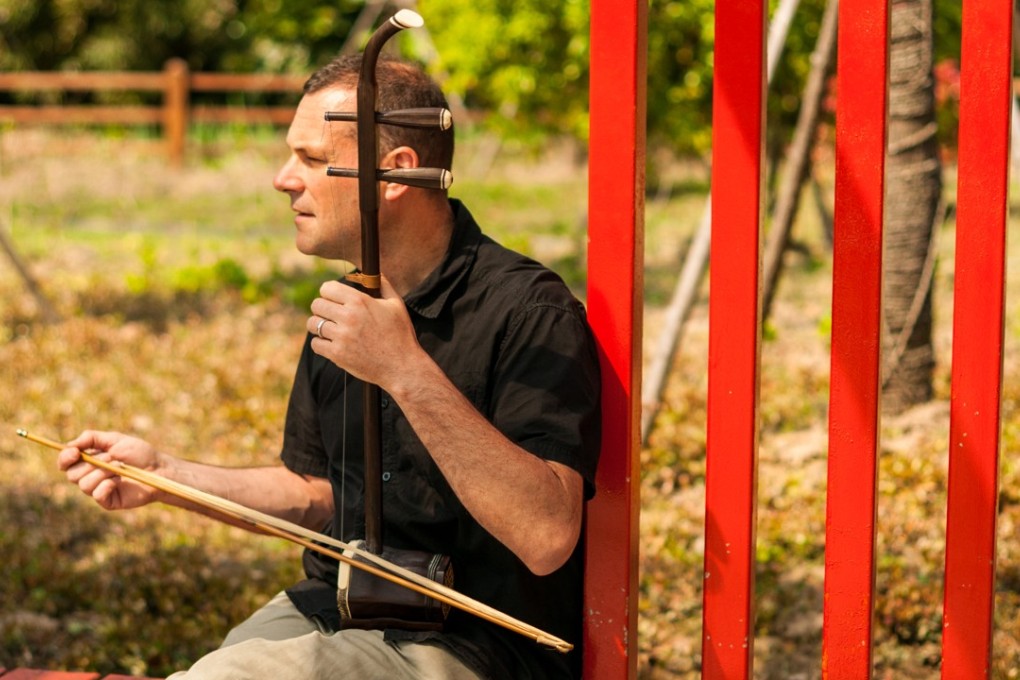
912 209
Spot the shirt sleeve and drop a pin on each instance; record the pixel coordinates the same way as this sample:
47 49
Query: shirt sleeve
303 451
546 395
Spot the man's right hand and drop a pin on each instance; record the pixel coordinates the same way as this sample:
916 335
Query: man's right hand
109 490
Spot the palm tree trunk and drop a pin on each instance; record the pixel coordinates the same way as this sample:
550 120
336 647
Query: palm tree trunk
912 209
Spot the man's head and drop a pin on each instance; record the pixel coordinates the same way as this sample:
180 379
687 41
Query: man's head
399 85
327 214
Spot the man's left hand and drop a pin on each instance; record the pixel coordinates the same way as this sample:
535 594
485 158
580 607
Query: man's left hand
371 338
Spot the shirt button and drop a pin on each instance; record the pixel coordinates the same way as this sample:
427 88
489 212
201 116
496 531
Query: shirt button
385 402
386 476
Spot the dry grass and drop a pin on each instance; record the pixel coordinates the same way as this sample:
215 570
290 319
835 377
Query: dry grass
160 339
791 495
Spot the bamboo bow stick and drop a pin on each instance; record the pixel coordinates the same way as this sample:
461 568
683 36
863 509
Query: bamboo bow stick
295 533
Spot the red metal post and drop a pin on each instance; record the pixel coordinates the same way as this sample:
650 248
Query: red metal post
615 289
985 79
862 78
734 339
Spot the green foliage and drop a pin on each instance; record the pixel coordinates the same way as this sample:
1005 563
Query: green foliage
525 62
236 35
293 35
144 281
225 273
204 282
947 18
680 47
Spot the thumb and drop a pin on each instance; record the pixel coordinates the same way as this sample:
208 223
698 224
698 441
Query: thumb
386 289
94 440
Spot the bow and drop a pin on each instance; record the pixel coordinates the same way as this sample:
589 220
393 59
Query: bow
377 566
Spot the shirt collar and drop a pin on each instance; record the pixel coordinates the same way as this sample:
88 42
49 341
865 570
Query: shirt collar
429 298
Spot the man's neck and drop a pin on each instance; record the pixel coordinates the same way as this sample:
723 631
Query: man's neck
415 247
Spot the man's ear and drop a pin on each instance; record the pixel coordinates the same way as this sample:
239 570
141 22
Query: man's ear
401 157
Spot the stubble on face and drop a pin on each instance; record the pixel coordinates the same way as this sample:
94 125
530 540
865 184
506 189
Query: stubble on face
327 220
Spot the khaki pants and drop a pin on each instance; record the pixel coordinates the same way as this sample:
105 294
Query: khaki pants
278 643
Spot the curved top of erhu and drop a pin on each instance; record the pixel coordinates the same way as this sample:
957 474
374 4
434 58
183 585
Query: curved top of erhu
368 141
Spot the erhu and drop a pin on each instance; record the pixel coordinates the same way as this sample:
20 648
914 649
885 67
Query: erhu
365 601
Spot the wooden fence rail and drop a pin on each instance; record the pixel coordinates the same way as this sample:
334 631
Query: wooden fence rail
175 83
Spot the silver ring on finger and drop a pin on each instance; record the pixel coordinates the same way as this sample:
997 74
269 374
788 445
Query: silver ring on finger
318 327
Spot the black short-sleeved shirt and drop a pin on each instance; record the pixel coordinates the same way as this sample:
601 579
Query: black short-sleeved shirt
509 334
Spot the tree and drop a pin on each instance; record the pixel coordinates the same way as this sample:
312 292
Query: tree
912 209
524 60
129 35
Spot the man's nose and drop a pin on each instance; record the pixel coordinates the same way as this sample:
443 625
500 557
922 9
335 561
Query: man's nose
287 179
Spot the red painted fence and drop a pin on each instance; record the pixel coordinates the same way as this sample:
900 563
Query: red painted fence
615 266
738 123
986 64
615 282
856 338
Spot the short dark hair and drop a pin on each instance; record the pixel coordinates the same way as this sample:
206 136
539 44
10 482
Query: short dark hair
399 85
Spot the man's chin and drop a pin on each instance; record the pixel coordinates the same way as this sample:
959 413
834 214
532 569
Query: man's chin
317 249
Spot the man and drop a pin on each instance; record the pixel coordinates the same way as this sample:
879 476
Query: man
490 388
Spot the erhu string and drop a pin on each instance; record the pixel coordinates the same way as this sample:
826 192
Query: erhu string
327 131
